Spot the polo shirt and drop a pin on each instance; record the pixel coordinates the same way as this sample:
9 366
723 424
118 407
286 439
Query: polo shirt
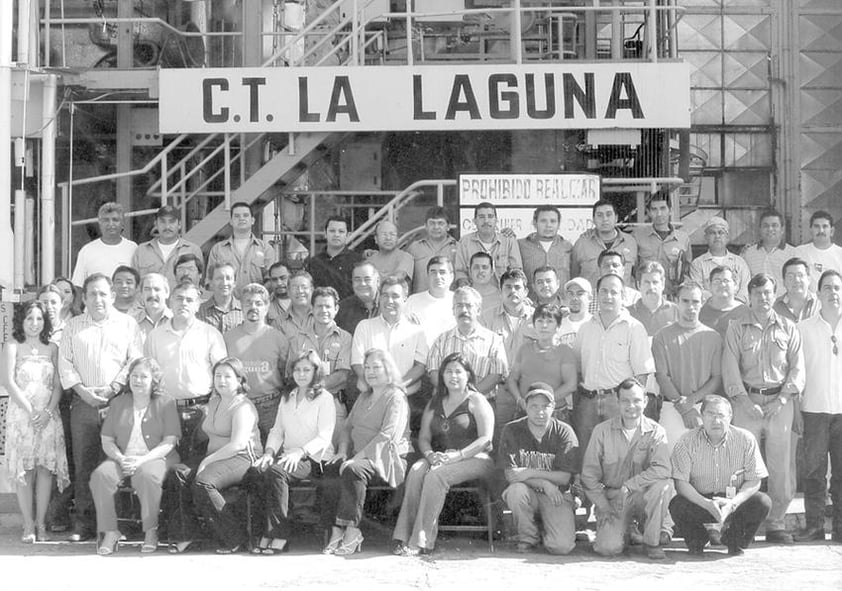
708 467
404 339
822 369
608 355
186 358
422 251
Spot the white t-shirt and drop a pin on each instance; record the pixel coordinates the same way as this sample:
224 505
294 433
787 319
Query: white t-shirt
98 257
434 314
820 260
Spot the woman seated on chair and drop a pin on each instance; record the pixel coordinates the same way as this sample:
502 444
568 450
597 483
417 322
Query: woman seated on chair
372 448
298 442
455 438
233 447
138 437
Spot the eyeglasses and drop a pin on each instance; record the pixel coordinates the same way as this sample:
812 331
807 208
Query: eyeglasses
835 345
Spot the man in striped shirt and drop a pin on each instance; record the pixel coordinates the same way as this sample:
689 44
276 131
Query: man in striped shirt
96 350
717 470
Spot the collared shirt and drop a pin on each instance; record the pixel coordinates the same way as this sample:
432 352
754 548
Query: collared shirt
703 264
306 425
709 468
352 310
586 250
762 356
511 329
760 260
277 308
250 266
146 324
221 320
654 321
674 252
264 356
334 348
504 251
422 251
491 294
291 326
483 349
605 465
822 369
149 258
404 339
394 263
533 255
608 355
630 297
186 357
334 271
434 314
811 308
98 353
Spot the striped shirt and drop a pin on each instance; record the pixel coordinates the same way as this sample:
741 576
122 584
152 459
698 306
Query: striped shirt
97 354
760 260
483 349
221 320
708 467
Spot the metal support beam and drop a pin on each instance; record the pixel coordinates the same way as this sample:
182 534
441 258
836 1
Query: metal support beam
7 252
48 180
125 59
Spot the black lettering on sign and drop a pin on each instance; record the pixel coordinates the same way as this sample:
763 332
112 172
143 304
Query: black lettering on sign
549 94
254 100
342 89
586 98
208 113
462 85
304 114
495 96
418 112
623 84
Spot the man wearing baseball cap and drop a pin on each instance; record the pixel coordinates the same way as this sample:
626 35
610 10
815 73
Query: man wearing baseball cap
540 455
577 297
160 254
717 232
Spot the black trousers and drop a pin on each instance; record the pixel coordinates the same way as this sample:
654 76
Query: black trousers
739 528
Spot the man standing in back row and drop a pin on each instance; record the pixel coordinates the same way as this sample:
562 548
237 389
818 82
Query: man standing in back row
332 267
545 247
584 259
502 248
107 252
160 254
250 256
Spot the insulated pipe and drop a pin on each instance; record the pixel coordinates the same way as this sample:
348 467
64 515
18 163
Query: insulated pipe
7 253
23 32
29 241
20 231
48 179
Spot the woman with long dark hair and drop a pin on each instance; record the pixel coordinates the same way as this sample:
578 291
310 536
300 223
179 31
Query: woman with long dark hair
456 431
299 441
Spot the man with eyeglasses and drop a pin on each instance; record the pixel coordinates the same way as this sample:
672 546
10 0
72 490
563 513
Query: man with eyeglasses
762 371
821 408
717 469
501 247
717 232
722 306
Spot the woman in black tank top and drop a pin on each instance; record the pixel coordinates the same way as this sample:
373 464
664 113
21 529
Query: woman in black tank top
455 438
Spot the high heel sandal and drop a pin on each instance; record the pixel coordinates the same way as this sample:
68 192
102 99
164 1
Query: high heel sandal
335 540
150 543
28 536
228 550
262 544
41 534
179 547
108 548
350 547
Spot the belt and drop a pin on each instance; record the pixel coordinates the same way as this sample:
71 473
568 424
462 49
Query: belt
771 391
598 392
188 402
265 398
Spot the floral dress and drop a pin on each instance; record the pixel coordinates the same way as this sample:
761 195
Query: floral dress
27 448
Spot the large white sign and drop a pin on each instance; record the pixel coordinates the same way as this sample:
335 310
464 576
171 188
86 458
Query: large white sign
415 98
517 195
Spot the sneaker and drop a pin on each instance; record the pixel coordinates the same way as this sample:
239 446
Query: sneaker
779 536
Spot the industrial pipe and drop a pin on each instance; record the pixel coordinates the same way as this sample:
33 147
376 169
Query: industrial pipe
7 255
48 179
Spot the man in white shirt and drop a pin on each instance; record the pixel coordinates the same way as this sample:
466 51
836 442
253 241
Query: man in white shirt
107 252
822 254
434 308
577 297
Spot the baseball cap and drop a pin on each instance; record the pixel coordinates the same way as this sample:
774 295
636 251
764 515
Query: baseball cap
539 389
167 211
581 282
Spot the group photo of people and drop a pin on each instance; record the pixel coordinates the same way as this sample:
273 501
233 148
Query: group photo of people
608 390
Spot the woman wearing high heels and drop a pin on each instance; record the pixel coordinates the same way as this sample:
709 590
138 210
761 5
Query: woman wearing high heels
139 436
34 435
455 438
372 447
295 447
233 447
